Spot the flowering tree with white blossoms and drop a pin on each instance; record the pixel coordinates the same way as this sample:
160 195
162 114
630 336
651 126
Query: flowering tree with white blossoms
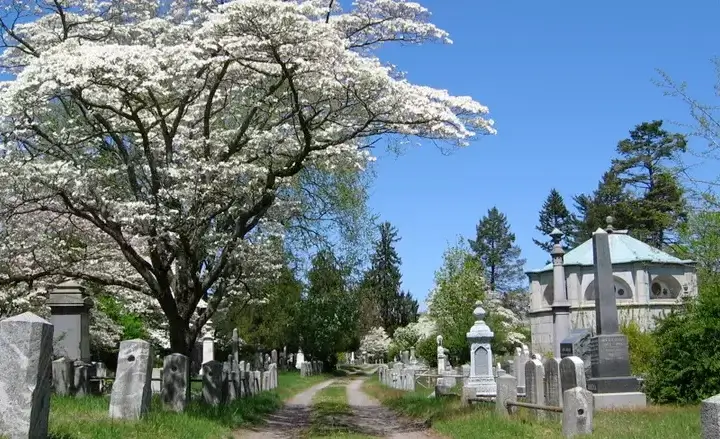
376 342
151 145
459 284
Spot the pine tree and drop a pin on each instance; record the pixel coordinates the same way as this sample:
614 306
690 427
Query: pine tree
384 304
639 191
495 246
660 206
609 199
554 214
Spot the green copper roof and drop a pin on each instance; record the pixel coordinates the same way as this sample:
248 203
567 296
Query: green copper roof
623 249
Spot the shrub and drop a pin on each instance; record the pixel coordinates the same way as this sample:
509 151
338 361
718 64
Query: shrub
427 350
685 367
642 348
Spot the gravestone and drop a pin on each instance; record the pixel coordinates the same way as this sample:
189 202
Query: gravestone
572 373
506 392
132 389
81 379
534 386
610 359
176 382
553 392
70 315
577 344
274 356
479 337
212 382
208 349
26 349
521 358
63 376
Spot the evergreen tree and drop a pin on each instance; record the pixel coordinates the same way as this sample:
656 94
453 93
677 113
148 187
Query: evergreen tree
495 246
659 208
639 191
609 199
554 214
384 304
328 314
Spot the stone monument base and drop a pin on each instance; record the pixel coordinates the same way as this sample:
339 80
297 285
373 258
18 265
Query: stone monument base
621 400
622 384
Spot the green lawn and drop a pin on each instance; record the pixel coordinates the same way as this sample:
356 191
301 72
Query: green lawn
453 421
87 418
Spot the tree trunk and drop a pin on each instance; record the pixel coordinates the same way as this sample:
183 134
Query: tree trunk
179 334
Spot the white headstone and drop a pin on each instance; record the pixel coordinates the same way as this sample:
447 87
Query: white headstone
132 388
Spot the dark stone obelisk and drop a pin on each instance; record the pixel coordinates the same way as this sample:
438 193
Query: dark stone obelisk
610 360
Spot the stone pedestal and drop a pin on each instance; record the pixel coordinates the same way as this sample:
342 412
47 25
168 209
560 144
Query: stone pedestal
70 316
481 375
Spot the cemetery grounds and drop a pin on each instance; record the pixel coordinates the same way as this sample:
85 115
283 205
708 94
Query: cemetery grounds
351 407
448 419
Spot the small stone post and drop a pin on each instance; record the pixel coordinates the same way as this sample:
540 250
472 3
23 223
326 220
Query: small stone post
577 415
26 347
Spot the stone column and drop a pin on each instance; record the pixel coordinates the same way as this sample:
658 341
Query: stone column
70 316
479 337
560 305
611 381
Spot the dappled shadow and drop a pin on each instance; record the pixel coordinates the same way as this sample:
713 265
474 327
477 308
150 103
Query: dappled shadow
380 421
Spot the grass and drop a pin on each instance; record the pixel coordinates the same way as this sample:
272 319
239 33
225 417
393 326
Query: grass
450 420
330 412
86 418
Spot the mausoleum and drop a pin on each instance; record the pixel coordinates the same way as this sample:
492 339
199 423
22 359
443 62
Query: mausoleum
648 283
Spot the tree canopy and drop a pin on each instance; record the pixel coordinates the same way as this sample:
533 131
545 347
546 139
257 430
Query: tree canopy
157 143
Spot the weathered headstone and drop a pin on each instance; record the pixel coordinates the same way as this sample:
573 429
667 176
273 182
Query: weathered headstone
70 315
81 379
26 349
534 386
572 373
521 358
553 393
176 382
506 392
132 390
274 356
609 349
710 417
63 376
577 415
212 382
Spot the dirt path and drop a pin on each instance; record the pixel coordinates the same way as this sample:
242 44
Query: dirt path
288 422
371 418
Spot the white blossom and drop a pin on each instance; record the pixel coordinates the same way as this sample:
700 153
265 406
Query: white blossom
376 342
148 145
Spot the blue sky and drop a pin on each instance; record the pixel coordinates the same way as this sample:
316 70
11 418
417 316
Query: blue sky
565 81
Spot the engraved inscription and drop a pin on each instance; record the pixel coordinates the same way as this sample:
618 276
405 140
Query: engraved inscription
594 354
613 348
